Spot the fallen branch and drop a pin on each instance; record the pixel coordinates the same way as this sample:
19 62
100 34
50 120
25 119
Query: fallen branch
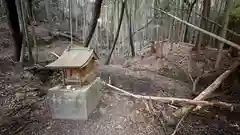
172 99
215 23
203 95
73 35
195 82
57 33
210 89
180 121
201 30
53 53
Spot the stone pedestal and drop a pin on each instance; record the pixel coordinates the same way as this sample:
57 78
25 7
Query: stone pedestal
74 102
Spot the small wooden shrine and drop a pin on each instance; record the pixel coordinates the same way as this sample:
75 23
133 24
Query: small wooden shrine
79 93
78 65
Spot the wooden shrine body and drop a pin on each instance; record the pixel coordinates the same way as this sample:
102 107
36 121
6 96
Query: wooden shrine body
80 76
79 93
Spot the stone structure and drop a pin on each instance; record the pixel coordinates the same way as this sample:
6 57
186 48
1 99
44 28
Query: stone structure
79 93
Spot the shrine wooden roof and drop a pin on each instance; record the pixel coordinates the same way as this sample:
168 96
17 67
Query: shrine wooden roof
75 57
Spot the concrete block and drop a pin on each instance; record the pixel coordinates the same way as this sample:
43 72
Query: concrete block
74 102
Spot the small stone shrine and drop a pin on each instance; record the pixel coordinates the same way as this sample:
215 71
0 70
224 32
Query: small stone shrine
79 93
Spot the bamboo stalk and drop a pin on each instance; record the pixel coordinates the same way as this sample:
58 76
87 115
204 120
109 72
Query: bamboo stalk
48 17
70 21
25 29
219 25
223 32
19 10
189 12
203 31
129 21
96 14
117 33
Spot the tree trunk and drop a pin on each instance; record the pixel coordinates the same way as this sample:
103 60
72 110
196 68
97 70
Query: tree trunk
30 11
70 21
111 27
15 27
129 21
155 20
117 33
18 3
223 31
217 20
25 29
203 25
32 23
191 5
63 10
96 14
47 14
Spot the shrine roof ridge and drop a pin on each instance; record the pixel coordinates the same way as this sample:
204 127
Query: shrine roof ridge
75 57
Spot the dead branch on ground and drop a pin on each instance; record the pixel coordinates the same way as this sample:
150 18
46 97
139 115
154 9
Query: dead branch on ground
180 121
204 94
172 100
56 55
65 35
195 82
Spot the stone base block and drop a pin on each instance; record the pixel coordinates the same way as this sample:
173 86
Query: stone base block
74 102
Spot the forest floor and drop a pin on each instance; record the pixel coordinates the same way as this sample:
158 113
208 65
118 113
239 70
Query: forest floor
23 107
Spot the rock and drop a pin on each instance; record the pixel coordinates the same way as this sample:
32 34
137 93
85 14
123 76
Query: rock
20 95
119 127
27 74
103 110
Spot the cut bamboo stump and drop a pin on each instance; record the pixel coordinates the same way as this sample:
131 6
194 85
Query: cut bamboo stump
203 95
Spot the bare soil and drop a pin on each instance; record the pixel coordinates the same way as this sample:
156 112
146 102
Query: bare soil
24 110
